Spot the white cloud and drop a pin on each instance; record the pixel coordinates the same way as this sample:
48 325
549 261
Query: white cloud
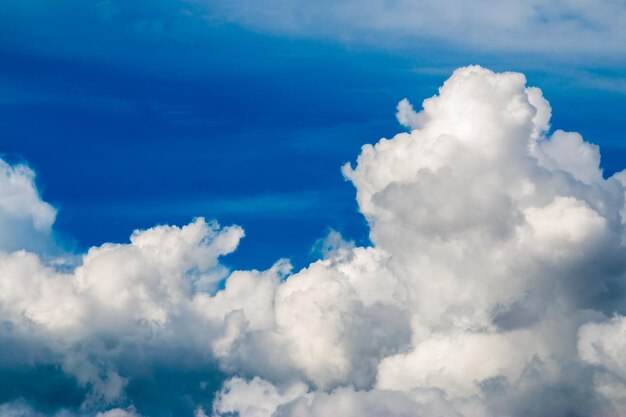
497 259
604 345
487 258
569 152
255 398
20 198
121 296
259 398
25 220
117 412
565 28
20 409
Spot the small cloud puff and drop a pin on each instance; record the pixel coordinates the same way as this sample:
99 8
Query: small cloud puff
25 219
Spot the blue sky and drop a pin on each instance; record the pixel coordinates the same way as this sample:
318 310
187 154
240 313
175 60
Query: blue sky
134 115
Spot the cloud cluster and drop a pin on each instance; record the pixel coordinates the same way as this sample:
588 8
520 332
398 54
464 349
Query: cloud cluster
494 285
588 27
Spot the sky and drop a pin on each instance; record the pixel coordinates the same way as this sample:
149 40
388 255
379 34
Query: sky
158 112
194 219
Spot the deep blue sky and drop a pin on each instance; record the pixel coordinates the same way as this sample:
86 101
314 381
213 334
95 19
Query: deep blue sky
136 116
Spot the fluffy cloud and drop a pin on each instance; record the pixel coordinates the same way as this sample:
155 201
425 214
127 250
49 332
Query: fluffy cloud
123 307
255 398
492 244
25 220
494 285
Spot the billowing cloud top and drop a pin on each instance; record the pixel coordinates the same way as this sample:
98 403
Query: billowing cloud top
494 286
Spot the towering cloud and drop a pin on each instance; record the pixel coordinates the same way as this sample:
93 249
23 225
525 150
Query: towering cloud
495 285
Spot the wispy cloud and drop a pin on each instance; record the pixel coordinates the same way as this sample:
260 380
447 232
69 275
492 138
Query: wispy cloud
559 28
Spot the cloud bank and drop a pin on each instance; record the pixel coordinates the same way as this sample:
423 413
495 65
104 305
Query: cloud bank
494 285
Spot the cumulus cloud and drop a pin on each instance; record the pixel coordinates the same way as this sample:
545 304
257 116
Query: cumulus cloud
25 220
494 285
255 398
